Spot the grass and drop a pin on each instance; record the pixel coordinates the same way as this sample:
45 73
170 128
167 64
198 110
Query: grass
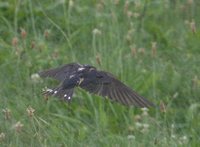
152 46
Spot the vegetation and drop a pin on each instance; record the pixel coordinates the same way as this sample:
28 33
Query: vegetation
152 46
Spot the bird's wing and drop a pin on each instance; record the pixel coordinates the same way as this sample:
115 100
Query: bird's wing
60 73
107 85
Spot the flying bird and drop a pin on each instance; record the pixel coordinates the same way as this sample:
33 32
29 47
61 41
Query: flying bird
94 81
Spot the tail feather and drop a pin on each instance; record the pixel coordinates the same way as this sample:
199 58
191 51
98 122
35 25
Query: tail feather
59 92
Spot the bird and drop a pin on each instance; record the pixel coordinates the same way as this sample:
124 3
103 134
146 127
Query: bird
94 81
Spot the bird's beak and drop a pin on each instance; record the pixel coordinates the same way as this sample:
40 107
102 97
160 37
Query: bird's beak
80 81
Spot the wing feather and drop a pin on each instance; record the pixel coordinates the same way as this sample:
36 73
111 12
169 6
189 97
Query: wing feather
122 95
110 87
61 73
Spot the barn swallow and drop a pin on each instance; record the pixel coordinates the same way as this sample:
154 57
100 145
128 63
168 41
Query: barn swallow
94 81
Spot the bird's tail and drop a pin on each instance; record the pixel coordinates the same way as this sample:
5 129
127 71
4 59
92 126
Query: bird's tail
59 92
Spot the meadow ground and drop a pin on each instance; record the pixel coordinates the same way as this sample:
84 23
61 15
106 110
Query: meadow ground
152 46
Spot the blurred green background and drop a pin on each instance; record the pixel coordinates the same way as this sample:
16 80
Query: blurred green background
151 45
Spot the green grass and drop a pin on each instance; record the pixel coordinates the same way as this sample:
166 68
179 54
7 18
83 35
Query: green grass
58 33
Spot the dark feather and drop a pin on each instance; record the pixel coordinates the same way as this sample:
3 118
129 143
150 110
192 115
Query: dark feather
116 91
60 73
65 94
94 81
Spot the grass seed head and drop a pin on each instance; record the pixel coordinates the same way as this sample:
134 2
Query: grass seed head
2 136
133 51
35 78
32 44
163 107
190 2
15 41
98 59
137 118
153 49
18 127
129 35
96 32
46 33
136 15
195 82
71 3
146 126
7 113
141 51
173 136
23 33
116 2
193 26
175 95
131 137
131 128
126 6
145 111
129 14
183 140
138 125
99 7
30 111
137 4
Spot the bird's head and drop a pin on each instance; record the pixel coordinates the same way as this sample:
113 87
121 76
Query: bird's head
82 74
86 68
85 73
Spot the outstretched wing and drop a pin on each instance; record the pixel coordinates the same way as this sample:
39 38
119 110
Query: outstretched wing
107 86
60 73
